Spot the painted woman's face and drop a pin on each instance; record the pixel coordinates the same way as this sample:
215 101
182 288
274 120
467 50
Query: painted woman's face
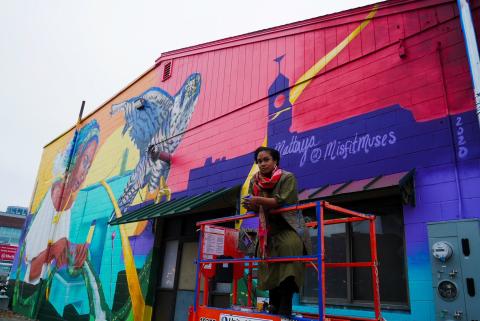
82 166
266 164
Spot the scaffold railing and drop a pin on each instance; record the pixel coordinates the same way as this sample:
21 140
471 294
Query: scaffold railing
203 312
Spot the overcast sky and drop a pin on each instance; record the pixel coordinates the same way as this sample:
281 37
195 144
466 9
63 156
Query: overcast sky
56 53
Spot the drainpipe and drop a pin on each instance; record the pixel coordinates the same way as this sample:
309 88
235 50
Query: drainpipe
472 49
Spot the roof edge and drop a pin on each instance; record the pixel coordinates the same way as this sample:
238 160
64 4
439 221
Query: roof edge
234 40
130 84
231 41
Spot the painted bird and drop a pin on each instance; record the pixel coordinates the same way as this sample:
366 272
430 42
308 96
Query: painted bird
155 121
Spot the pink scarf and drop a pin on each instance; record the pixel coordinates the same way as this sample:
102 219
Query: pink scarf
260 184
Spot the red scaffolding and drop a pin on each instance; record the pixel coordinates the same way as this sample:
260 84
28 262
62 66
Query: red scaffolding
205 263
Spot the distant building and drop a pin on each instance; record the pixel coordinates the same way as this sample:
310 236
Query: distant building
18 210
11 224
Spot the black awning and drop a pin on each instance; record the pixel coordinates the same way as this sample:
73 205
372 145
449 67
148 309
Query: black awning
401 183
222 198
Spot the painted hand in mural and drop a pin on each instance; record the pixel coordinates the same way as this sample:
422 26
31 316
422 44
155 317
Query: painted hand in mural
156 129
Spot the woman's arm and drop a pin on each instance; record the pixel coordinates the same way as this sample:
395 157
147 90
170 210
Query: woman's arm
284 193
253 202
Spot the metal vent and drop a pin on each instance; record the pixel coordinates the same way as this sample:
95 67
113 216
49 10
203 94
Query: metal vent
167 70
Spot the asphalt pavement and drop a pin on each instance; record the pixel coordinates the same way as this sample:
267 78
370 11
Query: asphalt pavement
6 315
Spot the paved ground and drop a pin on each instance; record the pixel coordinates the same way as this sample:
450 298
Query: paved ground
10 316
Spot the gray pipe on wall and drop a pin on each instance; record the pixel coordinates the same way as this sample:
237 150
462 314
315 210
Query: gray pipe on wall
472 49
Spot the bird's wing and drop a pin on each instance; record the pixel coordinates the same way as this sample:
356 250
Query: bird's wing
143 123
182 109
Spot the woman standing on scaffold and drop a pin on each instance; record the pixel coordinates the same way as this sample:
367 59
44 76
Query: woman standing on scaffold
282 234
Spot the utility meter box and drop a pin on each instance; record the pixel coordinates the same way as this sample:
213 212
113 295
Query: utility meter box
455 257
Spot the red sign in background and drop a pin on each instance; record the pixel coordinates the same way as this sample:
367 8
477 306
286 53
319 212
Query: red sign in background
7 252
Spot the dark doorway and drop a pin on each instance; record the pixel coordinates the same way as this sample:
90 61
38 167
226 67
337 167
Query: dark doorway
177 243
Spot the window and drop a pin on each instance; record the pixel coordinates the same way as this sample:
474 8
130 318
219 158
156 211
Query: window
9 234
187 266
351 243
169 264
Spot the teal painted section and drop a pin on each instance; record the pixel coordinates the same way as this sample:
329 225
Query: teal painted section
92 205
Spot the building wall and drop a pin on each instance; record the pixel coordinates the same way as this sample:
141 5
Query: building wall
11 226
354 95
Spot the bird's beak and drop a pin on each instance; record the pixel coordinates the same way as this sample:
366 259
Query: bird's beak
117 108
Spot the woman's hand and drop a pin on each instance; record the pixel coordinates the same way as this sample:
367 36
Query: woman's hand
252 203
249 202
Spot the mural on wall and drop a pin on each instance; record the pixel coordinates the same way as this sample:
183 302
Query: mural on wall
72 265
47 251
156 129
360 122
282 98
400 117
70 270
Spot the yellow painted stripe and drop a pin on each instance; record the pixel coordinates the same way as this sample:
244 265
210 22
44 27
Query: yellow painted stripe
148 313
138 303
244 190
305 80
90 234
278 113
246 185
